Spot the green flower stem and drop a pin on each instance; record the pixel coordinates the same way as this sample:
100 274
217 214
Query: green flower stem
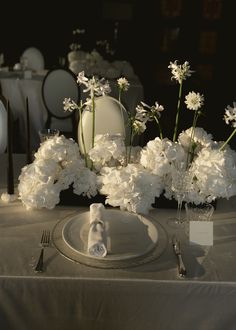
121 111
130 146
190 151
159 126
93 121
82 137
177 113
229 138
119 96
124 130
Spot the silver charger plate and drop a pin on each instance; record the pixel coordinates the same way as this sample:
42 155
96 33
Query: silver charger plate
131 239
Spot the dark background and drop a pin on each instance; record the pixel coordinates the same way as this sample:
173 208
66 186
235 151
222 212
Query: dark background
150 35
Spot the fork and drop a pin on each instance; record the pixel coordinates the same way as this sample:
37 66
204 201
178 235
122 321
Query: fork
45 241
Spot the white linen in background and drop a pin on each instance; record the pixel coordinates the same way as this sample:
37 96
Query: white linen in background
96 235
16 90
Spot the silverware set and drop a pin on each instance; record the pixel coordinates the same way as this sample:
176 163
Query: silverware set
44 242
177 251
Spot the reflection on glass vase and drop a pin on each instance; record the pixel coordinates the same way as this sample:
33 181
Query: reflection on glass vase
180 186
201 212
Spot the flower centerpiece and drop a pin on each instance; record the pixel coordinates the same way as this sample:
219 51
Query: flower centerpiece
133 177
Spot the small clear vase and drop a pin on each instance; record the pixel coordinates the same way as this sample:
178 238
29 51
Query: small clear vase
201 212
181 185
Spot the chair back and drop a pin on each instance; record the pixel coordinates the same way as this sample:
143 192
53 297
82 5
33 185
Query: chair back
59 84
33 58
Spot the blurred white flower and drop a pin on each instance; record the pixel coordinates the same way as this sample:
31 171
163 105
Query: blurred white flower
8 198
123 84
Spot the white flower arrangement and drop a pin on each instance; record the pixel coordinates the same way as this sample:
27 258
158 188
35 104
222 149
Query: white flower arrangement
133 177
57 165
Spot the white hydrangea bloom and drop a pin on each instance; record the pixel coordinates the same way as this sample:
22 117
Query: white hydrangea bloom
131 188
201 138
86 183
158 155
109 150
57 165
215 175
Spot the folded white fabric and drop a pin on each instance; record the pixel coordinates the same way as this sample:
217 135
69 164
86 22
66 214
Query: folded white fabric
96 235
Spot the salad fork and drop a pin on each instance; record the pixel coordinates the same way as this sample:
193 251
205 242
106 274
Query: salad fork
45 241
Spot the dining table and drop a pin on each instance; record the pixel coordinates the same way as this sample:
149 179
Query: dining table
150 295
18 85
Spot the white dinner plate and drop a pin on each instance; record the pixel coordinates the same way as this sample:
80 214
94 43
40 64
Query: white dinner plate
131 239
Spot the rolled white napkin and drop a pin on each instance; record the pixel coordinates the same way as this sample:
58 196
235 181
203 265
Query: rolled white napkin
96 235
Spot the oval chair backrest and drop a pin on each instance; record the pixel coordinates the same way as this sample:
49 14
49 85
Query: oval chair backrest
3 127
34 59
57 85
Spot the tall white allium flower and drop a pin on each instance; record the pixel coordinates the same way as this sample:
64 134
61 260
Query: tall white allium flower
138 127
230 115
145 112
194 101
95 86
180 72
70 105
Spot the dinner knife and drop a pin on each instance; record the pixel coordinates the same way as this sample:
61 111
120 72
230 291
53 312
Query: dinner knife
176 247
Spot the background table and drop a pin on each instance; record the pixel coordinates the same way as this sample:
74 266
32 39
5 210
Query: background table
150 296
15 87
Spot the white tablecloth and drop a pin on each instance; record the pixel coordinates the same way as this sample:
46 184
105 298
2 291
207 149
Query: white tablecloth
69 295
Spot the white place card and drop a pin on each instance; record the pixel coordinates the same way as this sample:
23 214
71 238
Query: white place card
201 232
